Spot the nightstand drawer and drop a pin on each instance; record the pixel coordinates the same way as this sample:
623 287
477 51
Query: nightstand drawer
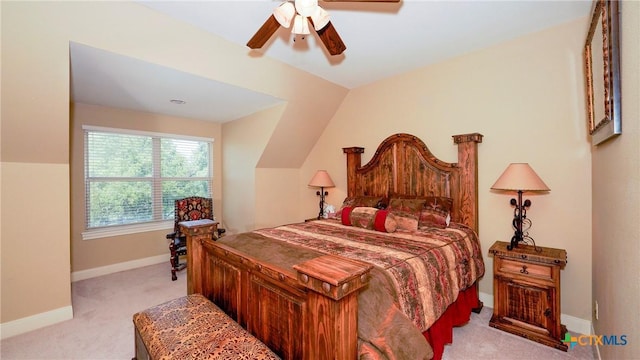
523 268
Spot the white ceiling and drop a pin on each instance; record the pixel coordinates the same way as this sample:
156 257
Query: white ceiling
382 39
103 78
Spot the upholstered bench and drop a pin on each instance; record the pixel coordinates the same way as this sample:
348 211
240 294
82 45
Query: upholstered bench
192 327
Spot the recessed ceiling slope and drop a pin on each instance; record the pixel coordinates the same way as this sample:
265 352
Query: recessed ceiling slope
104 78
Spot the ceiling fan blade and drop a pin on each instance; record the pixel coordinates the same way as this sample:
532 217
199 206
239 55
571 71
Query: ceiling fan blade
331 39
264 33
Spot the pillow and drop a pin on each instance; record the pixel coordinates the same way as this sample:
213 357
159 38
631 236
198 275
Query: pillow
369 218
436 212
405 221
345 215
406 205
362 201
406 211
431 218
382 203
363 217
385 221
378 202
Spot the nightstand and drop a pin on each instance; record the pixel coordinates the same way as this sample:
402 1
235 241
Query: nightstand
526 292
311 219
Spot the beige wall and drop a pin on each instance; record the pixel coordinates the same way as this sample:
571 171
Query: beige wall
36 122
244 143
526 97
35 239
89 254
35 170
616 207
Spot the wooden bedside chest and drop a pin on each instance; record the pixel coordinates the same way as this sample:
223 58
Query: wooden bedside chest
526 292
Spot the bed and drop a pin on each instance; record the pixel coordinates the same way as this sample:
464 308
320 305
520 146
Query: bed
387 278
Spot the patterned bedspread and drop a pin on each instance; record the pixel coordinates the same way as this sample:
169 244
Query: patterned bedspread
427 269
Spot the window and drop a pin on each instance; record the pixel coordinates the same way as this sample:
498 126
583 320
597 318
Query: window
134 177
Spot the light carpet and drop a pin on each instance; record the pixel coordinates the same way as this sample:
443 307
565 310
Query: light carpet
477 340
102 326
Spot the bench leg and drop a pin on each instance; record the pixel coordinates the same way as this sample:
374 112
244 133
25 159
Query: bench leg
141 349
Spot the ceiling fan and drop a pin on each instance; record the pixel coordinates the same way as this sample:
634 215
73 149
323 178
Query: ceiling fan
301 13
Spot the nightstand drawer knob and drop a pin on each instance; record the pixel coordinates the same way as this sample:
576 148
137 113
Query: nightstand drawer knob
524 269
547 312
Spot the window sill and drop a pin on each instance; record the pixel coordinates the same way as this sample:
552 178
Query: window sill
126 230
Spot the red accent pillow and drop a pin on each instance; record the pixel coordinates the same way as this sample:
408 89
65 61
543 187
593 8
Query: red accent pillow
384 221
362 201
345 215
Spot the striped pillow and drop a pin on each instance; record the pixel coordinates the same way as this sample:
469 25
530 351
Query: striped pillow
369 218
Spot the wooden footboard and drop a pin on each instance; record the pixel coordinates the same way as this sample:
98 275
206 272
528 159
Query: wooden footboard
306 313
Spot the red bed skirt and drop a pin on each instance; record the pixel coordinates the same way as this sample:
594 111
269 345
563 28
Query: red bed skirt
458 313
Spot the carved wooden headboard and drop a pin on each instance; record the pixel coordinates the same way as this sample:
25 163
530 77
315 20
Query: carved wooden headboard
403 165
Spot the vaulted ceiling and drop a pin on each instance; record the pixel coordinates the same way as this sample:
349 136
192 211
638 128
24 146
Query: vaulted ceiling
382 39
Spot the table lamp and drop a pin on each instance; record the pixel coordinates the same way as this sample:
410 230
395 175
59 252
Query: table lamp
520 177
322 180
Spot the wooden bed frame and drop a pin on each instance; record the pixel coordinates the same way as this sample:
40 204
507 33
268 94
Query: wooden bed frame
403 165
310 312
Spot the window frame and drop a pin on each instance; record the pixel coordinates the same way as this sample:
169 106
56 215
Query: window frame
155 224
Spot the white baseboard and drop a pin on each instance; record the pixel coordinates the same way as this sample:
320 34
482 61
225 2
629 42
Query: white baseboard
577 325
34 322
487 300
573 323
114 268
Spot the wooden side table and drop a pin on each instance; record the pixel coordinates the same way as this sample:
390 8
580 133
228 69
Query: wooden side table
526 292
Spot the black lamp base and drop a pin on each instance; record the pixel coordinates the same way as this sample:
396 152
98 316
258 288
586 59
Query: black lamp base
514 243
322 194
520 217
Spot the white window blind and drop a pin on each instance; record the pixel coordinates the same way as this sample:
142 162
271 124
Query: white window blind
134 177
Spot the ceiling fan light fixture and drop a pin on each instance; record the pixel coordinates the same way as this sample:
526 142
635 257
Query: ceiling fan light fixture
306 8
300 25
320 18
284 14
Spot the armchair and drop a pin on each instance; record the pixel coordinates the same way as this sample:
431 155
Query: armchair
187 209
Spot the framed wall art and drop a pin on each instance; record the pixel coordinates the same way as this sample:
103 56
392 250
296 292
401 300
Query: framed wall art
602 72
